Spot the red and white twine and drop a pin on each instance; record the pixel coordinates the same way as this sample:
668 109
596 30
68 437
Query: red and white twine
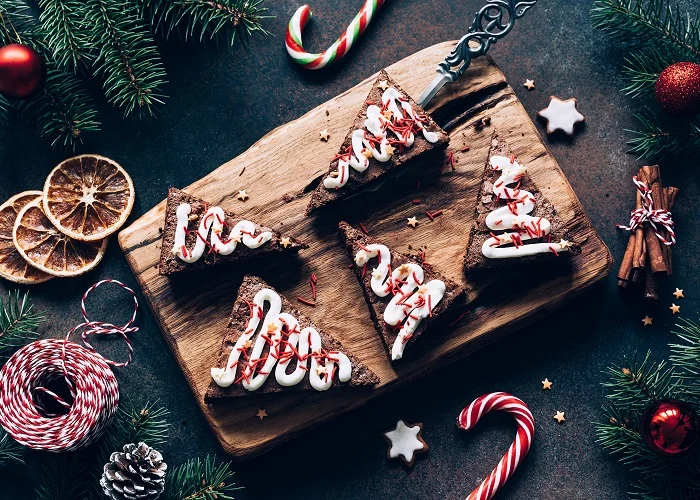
651 215
500 401
92 384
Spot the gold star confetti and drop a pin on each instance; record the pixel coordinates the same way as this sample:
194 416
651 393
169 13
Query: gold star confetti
388 114
261 414
675 309
271 328
546 384
236 238
325 135
383 84
390 149
320 370
529 84
367 153
242 195
646 321
285 241
412 221
403 268
679 293
247 344
376 274
559 417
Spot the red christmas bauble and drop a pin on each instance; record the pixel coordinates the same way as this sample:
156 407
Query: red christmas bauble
21 71
670 427
678 89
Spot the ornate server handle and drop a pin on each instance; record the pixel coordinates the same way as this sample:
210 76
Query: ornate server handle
492 22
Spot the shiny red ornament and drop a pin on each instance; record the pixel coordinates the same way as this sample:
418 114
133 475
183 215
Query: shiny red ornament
678 89
21 71
670 427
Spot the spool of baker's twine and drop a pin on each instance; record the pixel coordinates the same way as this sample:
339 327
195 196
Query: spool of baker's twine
94 392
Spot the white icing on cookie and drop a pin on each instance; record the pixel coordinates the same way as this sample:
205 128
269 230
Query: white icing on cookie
402 122
280 332
513 218
242 232
561 115
404 441
413 300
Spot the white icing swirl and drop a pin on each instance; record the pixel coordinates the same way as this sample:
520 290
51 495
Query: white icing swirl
242 232
280 331
413 300
514 217
377 124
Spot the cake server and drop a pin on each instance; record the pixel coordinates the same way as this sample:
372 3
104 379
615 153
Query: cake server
492 22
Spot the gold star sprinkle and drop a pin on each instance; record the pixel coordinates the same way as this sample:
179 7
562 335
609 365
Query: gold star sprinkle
271 328
285 241
247 344
403 268
675 309
559 417
412 221
367 153
679 293
236 238
320 370
383 84
325 135
529 84
546 384
261 414
390 149
387 114
242 195
376 274
646 321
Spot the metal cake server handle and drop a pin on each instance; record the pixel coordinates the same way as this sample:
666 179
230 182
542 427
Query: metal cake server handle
487 28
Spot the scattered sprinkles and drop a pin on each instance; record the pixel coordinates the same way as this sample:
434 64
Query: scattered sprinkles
412 221
546 384
433 214
324 135
675 309
646 321
383 84
307 302
242 195
559 417
679 293
285 241
364 229
261 414
465 149
529 84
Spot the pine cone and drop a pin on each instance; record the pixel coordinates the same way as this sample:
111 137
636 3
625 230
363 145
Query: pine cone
138 473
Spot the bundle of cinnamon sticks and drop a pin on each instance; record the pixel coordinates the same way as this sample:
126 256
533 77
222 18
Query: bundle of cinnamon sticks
646 256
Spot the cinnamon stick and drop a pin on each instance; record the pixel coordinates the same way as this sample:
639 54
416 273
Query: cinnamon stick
655 255
670 195
633 260
625 272
639 259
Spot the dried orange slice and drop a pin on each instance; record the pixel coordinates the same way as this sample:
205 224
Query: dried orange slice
88 197
49 250
12 265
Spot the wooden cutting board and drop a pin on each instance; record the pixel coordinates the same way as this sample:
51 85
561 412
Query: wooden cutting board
280 171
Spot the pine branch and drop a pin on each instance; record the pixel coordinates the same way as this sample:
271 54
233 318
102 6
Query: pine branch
5 107
658 137
10 450
63 478
136 423
19 324
197 480
642 69
224 20
128 59
686 357
15 17
649 22
63 22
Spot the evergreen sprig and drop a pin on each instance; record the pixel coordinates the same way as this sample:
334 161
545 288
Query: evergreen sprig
200 480
135 423
128 59
630 392
225 20
10 450
63 477
66 34
659 136
19 323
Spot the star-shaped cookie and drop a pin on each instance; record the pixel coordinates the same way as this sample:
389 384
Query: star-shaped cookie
405 442
561 115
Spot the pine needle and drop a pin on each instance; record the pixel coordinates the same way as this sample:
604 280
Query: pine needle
660 137
10 450
19 323
200 480
135 423
64 478
63 22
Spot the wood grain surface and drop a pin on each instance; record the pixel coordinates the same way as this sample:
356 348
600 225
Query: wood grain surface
193 310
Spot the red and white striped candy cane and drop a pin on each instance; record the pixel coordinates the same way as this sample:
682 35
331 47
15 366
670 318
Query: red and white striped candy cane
92 385
469 417
339 48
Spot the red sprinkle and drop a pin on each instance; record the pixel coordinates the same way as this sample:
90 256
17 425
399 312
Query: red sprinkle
459 318
364 229
416 201
307 302
430 216
465 149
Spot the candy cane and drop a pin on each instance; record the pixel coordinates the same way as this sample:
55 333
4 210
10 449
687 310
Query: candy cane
469 417
93 387
339 48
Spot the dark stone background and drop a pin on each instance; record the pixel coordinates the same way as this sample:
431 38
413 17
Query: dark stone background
221 102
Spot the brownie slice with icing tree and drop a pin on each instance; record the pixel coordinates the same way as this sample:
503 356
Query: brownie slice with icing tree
515 222
391 131
405 297
270 347
197 235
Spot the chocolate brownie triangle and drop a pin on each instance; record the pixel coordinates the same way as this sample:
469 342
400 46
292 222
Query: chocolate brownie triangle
514 220
198 235
391 130
404 296
271 347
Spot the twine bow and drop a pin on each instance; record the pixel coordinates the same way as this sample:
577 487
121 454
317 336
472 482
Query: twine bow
651 215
